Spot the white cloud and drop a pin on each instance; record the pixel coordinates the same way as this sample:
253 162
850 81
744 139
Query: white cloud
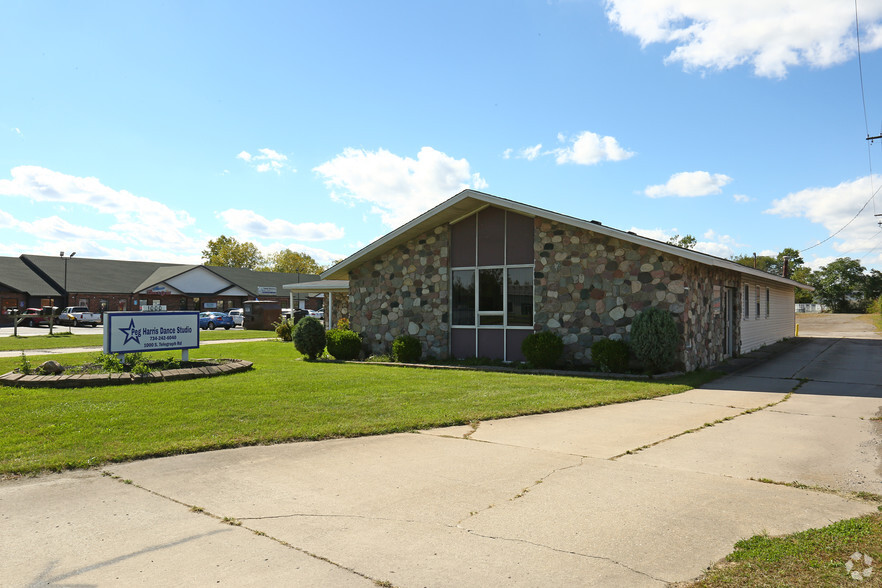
833 208
589 149
658 234
397 188
249 224
742 198
507 153
267 160
137 219
531 153
770 35
689 184
720 245
711 243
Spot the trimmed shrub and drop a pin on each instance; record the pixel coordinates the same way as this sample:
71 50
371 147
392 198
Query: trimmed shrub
543 349
654 339
343 324
610 356
406 349
309 337
284 329
343 344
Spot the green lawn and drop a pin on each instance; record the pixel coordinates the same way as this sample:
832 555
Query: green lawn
282 399
816 557
62 338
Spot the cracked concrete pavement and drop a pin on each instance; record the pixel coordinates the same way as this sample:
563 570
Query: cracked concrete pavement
619 495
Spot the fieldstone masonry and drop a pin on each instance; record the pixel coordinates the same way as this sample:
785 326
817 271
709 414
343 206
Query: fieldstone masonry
590 287
587 287
405 292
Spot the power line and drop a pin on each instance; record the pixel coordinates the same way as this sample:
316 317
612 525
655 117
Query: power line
846 224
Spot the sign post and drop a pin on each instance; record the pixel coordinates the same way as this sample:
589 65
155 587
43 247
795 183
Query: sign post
132 332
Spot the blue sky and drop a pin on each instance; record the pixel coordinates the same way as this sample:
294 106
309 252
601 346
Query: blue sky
134 130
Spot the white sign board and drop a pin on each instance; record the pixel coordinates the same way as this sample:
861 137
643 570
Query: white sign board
131 332
266 290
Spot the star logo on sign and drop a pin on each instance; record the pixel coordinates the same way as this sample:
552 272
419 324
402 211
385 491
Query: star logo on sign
130 333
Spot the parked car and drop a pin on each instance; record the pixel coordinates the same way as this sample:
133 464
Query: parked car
34 317
212 320
78 315
238 315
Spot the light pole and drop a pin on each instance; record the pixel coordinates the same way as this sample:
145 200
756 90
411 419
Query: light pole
66 295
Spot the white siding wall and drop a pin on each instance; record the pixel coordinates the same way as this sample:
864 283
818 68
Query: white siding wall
780 323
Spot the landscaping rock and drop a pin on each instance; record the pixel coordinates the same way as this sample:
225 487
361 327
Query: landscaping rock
51 367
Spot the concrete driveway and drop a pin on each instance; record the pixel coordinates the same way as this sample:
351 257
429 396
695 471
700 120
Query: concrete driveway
620 495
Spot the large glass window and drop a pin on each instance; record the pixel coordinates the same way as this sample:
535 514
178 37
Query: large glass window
520 296
490 296
464 297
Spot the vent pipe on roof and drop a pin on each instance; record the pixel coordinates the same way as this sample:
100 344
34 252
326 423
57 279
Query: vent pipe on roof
754 260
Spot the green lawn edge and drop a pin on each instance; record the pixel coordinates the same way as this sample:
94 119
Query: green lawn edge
283 399
815 557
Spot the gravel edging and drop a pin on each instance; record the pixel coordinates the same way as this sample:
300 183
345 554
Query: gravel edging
122 378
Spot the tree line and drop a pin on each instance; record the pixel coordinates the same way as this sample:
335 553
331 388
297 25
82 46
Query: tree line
229 252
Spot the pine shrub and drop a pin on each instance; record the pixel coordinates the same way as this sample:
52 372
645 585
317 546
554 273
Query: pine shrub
309 337
343 344
543 349
610 356
406 349
654 339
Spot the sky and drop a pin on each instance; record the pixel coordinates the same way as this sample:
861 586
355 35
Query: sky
141 130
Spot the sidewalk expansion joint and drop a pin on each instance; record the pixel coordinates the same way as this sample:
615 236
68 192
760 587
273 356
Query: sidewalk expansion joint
238 523
711 424
861 496
569 552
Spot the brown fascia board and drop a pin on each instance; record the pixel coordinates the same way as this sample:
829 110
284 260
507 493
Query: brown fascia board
468 202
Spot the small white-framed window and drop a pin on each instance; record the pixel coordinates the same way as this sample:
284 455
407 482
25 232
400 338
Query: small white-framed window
757 315
768 302
746 304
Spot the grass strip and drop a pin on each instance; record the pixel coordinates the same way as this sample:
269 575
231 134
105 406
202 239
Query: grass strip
60 340
816 557
282 399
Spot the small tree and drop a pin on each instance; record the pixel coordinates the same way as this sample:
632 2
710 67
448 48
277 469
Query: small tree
654 339
309 337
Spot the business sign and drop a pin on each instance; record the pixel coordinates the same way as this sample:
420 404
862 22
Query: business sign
131 332
266 290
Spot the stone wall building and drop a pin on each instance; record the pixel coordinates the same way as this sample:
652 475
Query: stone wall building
477 274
